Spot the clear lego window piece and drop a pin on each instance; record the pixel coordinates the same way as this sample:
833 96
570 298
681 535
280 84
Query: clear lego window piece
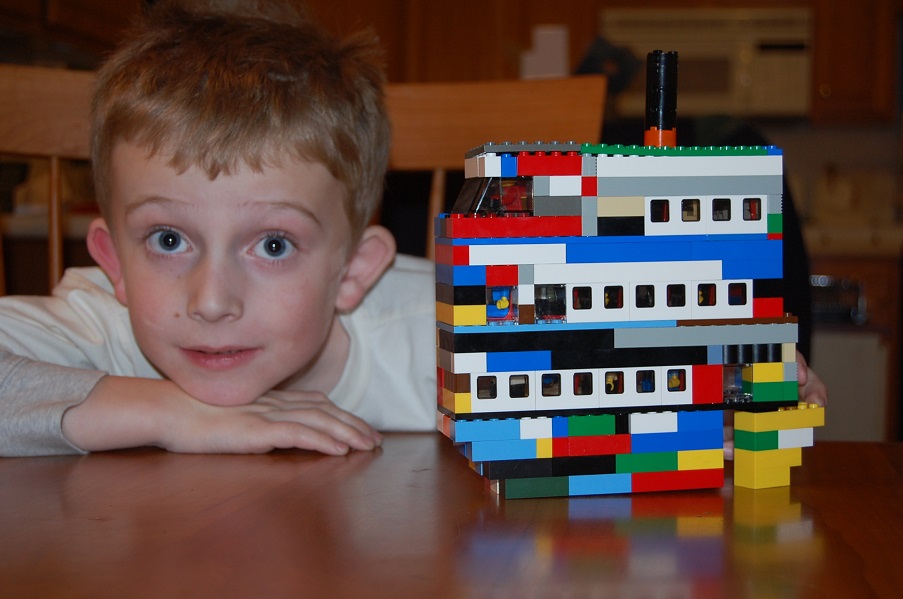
495 195
645 296
614 297
689 210
614 382
736 294
487 387
706 293
583 383
721 209
677 295
752 209
645 381
518 385
551 384
659 211
550 303
582 298
677 379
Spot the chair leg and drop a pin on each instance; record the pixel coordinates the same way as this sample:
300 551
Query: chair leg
436 206
55 222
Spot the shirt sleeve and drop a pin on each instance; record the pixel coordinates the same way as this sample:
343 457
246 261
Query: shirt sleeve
33 398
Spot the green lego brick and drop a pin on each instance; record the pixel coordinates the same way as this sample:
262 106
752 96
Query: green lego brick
585 426
664 461
765 392
775 223
756 441
523 488
625 150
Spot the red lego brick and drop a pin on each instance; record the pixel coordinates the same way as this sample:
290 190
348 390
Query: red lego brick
455 255
677 480
708 383
501 276
555 163
598 445
560 447
494 227
589 186
777 236
768 307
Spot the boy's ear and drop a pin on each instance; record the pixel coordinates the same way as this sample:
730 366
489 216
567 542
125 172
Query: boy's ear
103 250
372 256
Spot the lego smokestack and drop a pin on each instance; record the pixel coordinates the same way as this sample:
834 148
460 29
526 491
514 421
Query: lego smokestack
661 99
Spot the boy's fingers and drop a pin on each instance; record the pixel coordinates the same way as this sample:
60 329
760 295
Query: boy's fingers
325 420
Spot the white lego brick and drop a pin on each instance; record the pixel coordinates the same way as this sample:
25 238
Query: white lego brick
472 167
564 397
676 397
490 165
471 362
660 310
737 222
526 253
622 272
796 437
503 401
653 422
688 166
630 397
722 308
676 225
597 312
536 428
565 185
525 295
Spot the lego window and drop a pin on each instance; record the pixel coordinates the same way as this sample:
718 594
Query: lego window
583 298
470 196
706 294
645 296
516 195
752 209
501 305
550 303
583 383
551 384
645 381
614 383
677 379
689 210
614 297
736 294
659 211
518 385
677 296
721 209
487 387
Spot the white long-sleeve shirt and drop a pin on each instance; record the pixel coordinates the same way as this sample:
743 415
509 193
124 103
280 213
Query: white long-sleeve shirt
54 350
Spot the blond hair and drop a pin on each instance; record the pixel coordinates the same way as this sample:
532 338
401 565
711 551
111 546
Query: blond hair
218 90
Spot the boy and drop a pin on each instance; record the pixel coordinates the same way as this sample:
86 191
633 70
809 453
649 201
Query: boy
238 161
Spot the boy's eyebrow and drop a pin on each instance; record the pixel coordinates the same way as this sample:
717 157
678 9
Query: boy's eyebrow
276 204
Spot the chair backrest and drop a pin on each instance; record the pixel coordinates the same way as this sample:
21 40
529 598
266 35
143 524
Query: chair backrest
44 113
434 124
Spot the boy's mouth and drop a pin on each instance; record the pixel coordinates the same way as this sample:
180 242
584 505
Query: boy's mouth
219 359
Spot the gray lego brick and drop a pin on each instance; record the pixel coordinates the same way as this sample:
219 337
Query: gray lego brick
706 335
557 206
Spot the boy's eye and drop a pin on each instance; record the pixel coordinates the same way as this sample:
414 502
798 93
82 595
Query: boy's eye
274 246
168 241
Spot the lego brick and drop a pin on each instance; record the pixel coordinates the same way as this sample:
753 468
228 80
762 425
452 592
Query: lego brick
523 488
628 206
752 269
705 335
600 484
678 480
678 250
679 441
540 253
689 166
581 426
762 441
701 459
566 185
452 254
768 288
550 467
652 272
510 449
587 215
646 462
715 354
700 420
595 445
557 206
603 150
795 437
535 428
653 422
764 373
549 164
620 226
511 226
461 295
578 359
768 307
460 275
501 275
457 403
518 361
784 419
690 186
589 185
500 341
484 430
461 315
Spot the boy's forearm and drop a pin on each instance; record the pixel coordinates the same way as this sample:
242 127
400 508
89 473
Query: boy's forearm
122 412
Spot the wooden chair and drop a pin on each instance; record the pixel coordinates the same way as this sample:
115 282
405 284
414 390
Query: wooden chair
44 113
434 124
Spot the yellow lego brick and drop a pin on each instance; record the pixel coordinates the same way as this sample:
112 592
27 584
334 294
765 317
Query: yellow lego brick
764 469
461 315
767 372
544 448
754 422
701 459
459 403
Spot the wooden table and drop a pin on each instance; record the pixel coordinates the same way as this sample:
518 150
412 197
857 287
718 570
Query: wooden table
411 520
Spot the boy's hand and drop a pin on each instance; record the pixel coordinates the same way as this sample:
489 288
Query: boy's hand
129 412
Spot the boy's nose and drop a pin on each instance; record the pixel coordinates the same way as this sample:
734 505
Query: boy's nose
215 293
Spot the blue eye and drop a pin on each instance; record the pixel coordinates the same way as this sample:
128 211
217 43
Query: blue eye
168 241
274 247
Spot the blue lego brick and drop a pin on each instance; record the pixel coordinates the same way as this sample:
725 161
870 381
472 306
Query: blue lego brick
559 426
550 327
752 269
485 430
716 354
509 165
509 449
599 484
517 361
460 275
756 246
700 420
679 441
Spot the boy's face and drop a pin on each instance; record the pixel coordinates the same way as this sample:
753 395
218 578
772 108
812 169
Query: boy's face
232 284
